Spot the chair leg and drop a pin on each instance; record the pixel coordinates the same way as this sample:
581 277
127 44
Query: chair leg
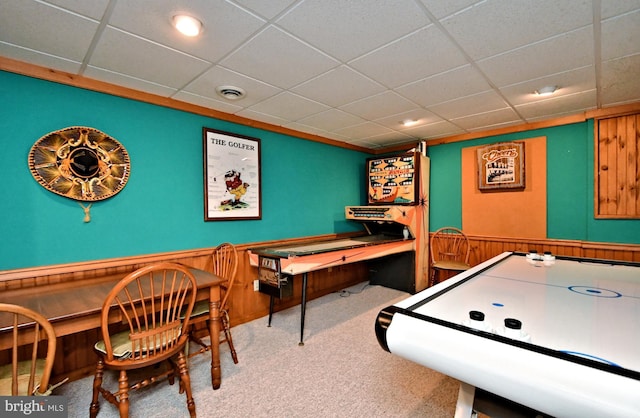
203 347
432 280
97 383
185 383
123 394
227 336
171 372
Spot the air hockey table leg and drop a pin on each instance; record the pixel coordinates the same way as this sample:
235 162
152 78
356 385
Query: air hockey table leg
464 407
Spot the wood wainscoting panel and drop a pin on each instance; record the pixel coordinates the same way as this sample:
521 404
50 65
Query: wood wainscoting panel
77 358
484 248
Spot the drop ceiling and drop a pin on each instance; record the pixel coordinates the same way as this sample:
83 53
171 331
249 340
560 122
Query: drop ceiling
348 70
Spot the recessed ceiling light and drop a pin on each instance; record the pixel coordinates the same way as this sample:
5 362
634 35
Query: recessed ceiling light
231 92
546 90
187 25
409 122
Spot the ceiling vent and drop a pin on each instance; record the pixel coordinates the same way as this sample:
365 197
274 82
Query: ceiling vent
230 92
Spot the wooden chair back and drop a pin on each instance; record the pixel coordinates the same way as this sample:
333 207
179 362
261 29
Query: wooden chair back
28 376
225 265
149 302
449 244
224 260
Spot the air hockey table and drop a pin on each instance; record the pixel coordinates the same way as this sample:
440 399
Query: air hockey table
558 335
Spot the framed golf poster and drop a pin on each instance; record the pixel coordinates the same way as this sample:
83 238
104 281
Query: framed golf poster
232 189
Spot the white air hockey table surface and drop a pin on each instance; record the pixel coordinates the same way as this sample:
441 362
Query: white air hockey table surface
577 352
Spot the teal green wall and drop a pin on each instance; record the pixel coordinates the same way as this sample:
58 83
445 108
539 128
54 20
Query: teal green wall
305 184
570 159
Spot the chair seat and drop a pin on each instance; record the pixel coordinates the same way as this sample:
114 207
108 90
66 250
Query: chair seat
451 265
24 371
200 308
121 344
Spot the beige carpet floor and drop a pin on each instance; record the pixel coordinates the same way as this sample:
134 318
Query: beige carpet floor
341 371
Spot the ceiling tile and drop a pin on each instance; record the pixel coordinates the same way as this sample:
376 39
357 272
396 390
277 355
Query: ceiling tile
462 81
339 86
38 58
278 59
346 29
470 105
363 130
126 81
220 105
492 27
288 106
441 9
380 105
268 9
206 85
94 9
225 26
422 116
382 142
568 104
562 53
414 57
435 130
391 138
310 130
331 120
118 51
367 144
487 120
50 30
249 114
568 82
614 8
621 36
616 86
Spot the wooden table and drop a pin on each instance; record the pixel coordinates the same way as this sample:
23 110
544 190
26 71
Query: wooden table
73 308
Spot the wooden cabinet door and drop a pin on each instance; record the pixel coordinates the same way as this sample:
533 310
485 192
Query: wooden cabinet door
617 167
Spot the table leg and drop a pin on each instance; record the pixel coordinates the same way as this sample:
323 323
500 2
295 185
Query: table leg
270 309
214 334
304 307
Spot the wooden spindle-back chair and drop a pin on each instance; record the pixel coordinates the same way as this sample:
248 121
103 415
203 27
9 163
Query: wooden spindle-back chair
148 304
450 251
30 375
224 261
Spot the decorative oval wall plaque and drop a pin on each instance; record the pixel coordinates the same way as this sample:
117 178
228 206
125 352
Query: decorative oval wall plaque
80 163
